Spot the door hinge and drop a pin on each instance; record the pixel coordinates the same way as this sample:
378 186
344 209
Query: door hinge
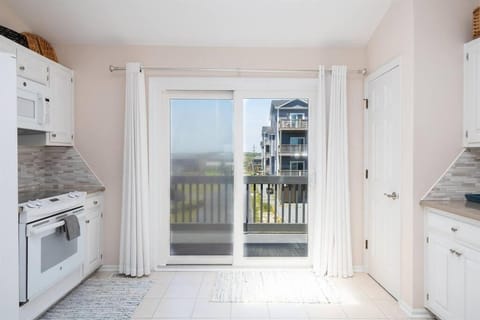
467 56
428 239
365 102
101 256
366 173
466 133
428 296
366 244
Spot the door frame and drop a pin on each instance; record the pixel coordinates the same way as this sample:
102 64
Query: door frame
159 126
394 63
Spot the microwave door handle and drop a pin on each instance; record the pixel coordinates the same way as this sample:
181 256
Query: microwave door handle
39 230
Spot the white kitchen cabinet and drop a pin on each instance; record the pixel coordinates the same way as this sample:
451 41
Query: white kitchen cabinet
93 233
61 106
452 267
32 66
8 46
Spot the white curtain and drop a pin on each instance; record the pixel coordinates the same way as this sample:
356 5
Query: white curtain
134 237
335 257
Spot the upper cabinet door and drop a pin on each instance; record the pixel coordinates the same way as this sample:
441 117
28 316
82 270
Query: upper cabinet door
32 66
61 106
7 46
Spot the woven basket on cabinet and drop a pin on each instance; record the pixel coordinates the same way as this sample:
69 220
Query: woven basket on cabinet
40 45
476 23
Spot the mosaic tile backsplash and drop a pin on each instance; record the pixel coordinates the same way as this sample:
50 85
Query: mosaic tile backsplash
52 168
463 177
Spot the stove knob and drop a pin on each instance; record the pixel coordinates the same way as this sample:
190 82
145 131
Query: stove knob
71 195
38 203
31 204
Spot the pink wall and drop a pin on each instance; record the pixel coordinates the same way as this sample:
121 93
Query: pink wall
428 36
100 104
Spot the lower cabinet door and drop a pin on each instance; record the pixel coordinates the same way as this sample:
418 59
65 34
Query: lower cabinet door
472 285
437 259
93 252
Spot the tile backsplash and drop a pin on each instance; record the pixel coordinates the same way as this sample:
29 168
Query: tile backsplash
52 168
462 177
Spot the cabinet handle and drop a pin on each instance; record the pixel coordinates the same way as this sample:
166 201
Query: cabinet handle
459 254
24 84
452 251
87 221
22 68
54 135
454 229
95 202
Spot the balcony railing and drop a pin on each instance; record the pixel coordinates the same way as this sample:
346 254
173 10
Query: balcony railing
294 124
293 149
269 200
293 173
276 201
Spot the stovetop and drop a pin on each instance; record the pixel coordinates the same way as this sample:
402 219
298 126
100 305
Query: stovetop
25 196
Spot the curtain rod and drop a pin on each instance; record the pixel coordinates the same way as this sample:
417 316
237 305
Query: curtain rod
113 68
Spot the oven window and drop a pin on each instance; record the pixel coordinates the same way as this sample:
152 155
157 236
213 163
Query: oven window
56 249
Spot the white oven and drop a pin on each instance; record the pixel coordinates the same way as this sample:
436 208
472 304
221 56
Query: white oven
46 256
33 105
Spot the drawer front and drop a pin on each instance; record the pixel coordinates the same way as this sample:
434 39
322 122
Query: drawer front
460 231
94 202
468 234
442 224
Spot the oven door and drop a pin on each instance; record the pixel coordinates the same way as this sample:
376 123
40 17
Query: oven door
50 256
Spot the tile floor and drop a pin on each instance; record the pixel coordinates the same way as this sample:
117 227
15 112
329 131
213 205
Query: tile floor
185 295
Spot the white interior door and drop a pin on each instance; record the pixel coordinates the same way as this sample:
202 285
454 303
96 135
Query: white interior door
383 183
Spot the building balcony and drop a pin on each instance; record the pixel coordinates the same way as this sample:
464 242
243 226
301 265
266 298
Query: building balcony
293 149
293 124
293 173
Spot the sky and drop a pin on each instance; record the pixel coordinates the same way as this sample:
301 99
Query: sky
206 125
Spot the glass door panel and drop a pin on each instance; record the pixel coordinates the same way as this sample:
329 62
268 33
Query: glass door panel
275 176
201 177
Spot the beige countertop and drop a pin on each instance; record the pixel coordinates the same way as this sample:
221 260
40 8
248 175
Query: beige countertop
461 208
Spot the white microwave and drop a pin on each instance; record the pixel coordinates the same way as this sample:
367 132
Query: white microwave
33 105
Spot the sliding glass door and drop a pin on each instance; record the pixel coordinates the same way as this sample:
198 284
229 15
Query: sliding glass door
201 175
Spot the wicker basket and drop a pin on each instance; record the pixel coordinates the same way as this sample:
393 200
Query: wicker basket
41 46
476 23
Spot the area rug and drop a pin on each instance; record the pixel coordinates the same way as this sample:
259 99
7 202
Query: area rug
112 298
273 286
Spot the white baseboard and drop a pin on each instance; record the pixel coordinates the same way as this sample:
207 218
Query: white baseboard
415 313
109 268
359 268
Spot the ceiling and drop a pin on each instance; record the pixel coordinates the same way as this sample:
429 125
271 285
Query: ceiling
237 23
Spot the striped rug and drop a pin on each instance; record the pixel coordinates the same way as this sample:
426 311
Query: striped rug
112 298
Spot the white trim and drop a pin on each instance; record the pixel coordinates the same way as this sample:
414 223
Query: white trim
415 313
395 63
443 174
159 126
109 268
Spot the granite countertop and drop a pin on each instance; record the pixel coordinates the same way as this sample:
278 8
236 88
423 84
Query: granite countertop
461 208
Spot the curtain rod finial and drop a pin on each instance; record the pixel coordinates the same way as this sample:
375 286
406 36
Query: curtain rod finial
111 68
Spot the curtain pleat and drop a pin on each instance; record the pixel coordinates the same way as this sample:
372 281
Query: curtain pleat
134 235
335 256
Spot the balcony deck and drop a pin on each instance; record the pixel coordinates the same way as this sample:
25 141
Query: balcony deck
293 124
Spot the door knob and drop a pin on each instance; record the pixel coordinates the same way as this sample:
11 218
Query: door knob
392 195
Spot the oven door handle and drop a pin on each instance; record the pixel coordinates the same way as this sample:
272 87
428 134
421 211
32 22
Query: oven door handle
38 230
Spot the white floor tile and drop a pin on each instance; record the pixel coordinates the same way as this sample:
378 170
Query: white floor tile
325 311
363 311
213 310
182 291
249 311
287 311
175 308
162 277
188 278
157 290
